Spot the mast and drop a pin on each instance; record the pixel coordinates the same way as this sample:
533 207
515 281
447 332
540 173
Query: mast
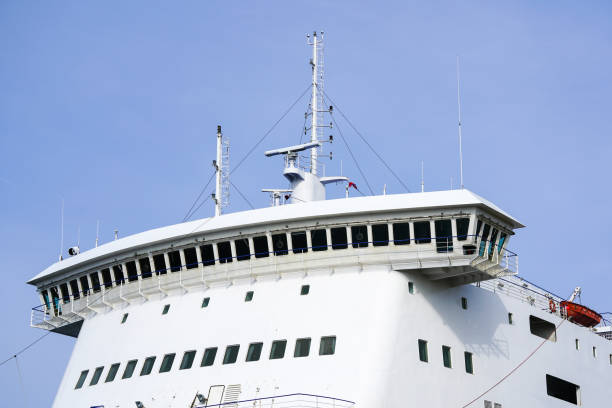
316 63
221 165
218 163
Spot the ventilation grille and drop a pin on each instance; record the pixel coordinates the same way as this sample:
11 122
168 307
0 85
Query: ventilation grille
232 394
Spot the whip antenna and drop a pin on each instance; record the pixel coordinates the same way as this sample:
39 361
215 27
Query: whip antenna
459 114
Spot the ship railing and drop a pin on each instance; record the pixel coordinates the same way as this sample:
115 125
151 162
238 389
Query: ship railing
484 255
297 400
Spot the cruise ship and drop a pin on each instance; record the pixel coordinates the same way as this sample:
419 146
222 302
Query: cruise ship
392 300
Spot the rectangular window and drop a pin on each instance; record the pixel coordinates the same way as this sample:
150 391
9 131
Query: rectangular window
502 240
446 356
205 302
510 320
483 239
423 355
492 244
95 282
261 247
401 233
118 272
64 292
159 262
380 234
462 225
411 288
132 272
187 360
96 376
564 390
464 303
124 318
304 290
577 344
278 349
112 372
106 278
129 369
243 251
254 352
209 357
327 346
359 236
478 226
542 328
469 365
147 366
488 404
225 252
231 354
302 347
84 285
208 254
422 232
166 309
81 379
145 268
299 242
167 362
191 258
74 287
174 257
339 238
249 296
319 240
594 352
279 241
444 236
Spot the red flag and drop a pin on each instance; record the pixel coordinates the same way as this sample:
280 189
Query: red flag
351 184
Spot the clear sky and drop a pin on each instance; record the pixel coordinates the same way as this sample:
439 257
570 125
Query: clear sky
113 106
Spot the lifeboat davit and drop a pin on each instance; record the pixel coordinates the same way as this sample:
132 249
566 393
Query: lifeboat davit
579 314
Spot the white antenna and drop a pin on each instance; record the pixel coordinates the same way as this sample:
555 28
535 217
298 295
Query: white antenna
62 232
384 189
116 234
97 232
422 177
317 95
221 196
460 139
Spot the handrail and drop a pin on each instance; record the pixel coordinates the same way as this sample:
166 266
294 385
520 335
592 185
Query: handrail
275 397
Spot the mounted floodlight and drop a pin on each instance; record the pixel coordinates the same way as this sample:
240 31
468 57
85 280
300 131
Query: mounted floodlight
139 404
292 149
72 251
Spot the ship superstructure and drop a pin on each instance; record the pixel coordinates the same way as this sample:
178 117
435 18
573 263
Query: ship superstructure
388 301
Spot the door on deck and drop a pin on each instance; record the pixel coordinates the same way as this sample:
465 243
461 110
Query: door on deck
215 395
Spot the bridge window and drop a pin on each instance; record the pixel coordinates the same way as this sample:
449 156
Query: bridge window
302 348
145 267
542 328
147 366
74 287
243 252
254 352
319 240
278 349
261 247
300 244
187 360
423 355
225 252
478 226
502 240
159 263
132 272
401 233
469 365
444 236
84 285
462 225
380 234
106 278
191 258
118 272
112 372
64 292
95 281
175 261
81 380
129 369
446 356
208 254
231 354
564 390
96 376
327 347
483 240
45 296
339 238
279 242
493 241
209 357
359 235
422 232
167 362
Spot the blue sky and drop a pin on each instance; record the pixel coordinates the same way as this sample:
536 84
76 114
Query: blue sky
113 107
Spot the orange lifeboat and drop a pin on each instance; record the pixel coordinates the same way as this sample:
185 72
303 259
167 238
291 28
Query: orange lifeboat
579 314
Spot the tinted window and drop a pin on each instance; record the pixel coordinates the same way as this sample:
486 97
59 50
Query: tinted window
209 357
175 261
167 362
359 234
483 241
502 241
147 366
469 366
159 262
279 241
243 252
64 292
462 228
564 390
380 235
96 376
423 356
401 233
74 287
112 372
302 348
132 272
118 272
339 238
422 232
304 290
225 252
446 356
205 302
298 240
187 361
278 349
106 278
254 352
129 369
319 240
81 379
249 296
84 284
231 354
95 281
261 247
145 268
327 345
191 258
444 236
208 254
